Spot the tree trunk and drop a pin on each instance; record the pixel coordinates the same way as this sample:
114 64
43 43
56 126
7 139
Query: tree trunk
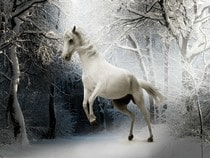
185 75
139 57
13 104
186 87
165 52
153 111
51 130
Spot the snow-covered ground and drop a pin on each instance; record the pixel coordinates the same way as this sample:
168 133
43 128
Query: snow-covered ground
113 145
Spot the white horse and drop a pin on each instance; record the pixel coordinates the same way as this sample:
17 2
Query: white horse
100 78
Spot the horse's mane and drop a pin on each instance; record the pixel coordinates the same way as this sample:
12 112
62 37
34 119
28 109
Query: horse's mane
85 43
83 38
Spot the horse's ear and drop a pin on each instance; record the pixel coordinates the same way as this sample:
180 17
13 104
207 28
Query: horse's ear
74 29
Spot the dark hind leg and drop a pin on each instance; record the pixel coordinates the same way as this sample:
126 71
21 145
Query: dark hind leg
139 101
122 107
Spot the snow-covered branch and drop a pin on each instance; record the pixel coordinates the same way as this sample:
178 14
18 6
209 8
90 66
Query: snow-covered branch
149 15
26 6
5 75
127 48
49 35
5 44
202 20
151 6
197 49
202 12
207 64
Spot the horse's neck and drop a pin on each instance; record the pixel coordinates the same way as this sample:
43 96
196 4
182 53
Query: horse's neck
89 56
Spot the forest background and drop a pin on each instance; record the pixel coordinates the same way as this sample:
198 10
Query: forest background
165 42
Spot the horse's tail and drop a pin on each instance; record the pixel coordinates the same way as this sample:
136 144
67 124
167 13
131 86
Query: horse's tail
151 90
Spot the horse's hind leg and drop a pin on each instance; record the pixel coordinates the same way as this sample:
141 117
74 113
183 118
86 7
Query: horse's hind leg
123 108
139 101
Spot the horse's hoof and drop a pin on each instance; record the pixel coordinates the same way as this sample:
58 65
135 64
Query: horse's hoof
93 122
130 137
150 139
92 119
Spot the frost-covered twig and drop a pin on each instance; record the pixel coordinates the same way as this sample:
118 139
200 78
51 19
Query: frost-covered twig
127 48
5 75
27 5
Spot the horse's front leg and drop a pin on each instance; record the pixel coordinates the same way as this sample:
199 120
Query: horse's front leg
85 102
92 117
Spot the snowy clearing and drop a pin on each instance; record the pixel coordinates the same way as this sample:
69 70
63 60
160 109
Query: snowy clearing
113 145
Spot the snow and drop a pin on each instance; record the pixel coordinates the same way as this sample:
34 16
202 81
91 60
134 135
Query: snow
113 145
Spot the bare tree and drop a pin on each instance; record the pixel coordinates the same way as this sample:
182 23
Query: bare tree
14 15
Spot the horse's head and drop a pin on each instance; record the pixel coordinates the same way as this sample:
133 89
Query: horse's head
72 40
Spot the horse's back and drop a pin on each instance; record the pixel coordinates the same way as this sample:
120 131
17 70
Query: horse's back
114 82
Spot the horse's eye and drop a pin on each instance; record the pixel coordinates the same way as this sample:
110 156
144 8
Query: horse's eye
71 41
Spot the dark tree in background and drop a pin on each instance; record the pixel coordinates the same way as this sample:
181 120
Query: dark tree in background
52 115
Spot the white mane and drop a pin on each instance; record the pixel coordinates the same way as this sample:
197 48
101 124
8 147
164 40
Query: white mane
87 46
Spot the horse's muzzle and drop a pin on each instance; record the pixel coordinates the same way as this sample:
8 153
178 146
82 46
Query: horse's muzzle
67 58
